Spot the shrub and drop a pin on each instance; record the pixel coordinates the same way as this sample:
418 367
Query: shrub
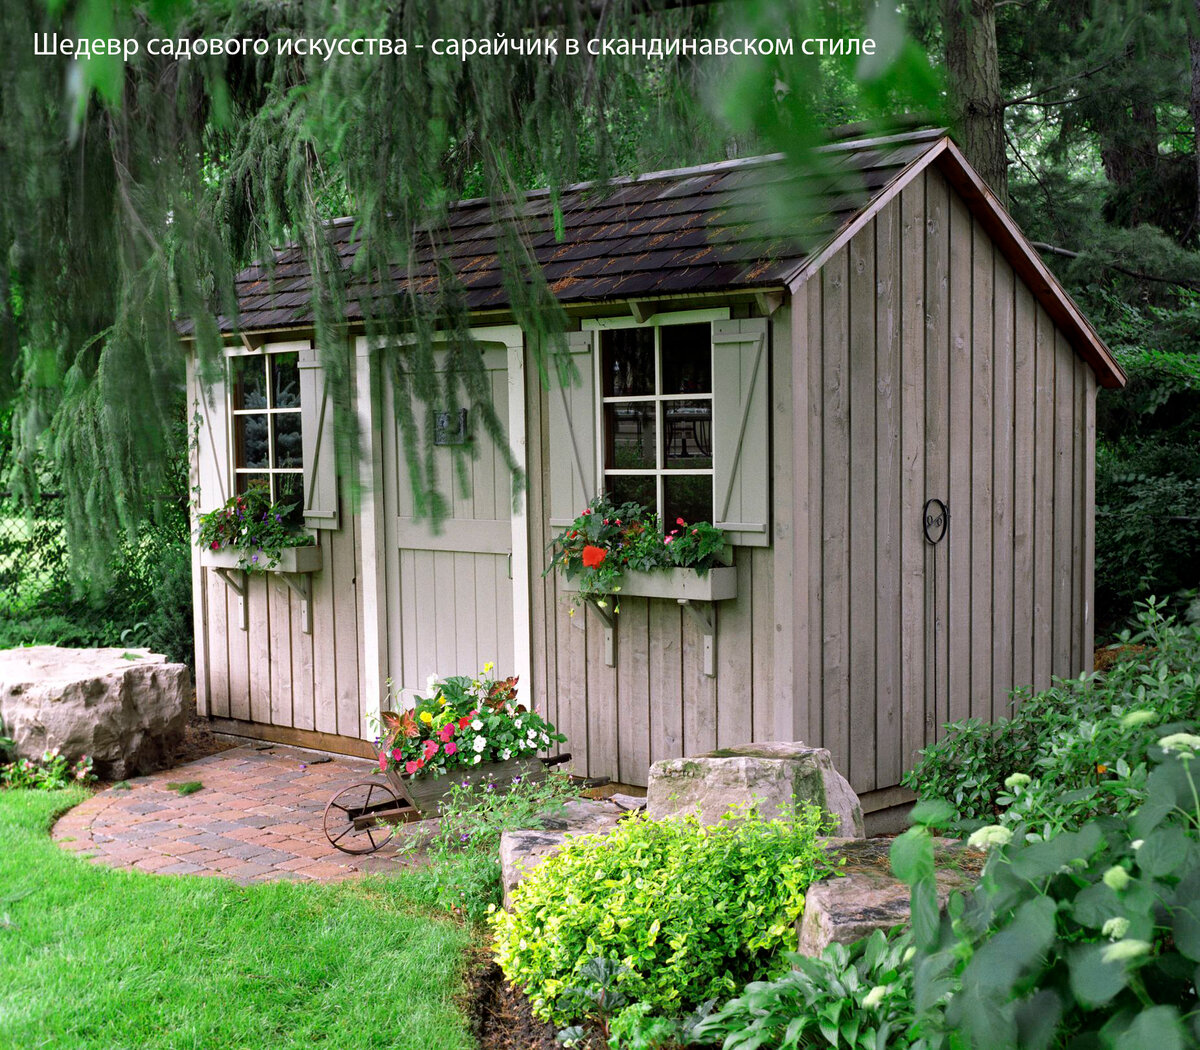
54 772
1078 749
691 912
852 996
1087 938
464 870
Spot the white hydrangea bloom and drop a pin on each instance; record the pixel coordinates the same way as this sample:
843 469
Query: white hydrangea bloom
1116 878
990 835
874 997
1128 949
1180 743
1115 928
1017 780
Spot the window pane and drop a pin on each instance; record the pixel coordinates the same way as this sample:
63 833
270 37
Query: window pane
287 439
250 435
635 489
688 497
285 380
629 435
687 359
627 362
289 488
249 382
687 435
246 482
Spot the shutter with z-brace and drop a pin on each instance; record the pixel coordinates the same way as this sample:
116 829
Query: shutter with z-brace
573 432
320 453
741 432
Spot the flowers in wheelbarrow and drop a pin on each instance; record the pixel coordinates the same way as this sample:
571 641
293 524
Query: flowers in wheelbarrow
462 721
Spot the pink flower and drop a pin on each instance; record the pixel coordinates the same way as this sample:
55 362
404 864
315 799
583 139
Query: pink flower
451 748
383 762
446 732
431 748
669 538
397 755
588 511
412 765
606 521
680 521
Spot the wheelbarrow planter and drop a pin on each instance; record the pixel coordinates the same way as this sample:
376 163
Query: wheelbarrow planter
425 794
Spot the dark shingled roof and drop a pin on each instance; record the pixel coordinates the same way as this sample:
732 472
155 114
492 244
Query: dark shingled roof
700 229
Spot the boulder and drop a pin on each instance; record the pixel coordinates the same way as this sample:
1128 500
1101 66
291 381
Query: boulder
522 851
775 776
864 896
126 708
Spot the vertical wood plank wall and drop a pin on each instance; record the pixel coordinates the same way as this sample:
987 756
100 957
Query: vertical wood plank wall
273 674
657 702
933 373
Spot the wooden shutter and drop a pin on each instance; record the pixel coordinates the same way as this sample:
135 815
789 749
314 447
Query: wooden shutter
214 470
573 432
320 453
741 431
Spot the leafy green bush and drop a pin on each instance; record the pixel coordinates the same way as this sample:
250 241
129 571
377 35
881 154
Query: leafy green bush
464 871
1090 937
54 772
856 997
691 912
1078 749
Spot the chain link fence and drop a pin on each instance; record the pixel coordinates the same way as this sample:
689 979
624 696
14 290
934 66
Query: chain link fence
33 552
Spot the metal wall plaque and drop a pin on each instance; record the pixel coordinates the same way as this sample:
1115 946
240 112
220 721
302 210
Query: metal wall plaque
450 428
936 520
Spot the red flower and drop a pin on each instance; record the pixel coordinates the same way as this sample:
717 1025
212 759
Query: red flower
464 721
680 521
588 511
446 732
606 521
593 556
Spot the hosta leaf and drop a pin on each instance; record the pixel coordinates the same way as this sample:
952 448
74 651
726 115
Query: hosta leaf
1093 980
1157 1028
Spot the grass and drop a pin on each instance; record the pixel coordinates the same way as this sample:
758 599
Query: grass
91 957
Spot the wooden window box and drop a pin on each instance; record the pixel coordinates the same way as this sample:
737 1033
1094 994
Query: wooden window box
696 593
295 566
291 559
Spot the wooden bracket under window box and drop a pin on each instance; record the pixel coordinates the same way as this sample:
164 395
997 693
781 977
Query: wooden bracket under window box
295 566
695 592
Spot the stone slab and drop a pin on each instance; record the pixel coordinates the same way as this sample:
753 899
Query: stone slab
774 776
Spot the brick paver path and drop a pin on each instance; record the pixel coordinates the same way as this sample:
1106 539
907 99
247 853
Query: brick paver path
257 818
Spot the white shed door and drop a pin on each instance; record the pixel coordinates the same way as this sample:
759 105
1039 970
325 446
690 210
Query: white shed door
455 603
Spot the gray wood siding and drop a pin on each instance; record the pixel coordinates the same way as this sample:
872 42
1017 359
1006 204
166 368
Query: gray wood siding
273 674
933 373
657 702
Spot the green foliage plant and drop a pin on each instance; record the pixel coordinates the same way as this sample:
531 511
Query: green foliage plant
607 540
254 526
53 773
465 721
464 852
1088 937
691 912
1079 749
857 997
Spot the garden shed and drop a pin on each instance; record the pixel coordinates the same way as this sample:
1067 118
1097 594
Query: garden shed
893 420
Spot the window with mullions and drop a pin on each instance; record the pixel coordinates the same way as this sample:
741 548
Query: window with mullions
657 418
267 434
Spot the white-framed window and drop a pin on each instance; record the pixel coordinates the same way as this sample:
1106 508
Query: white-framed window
267 425
656 419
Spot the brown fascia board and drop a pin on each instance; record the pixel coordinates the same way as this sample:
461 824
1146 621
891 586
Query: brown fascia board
1007 236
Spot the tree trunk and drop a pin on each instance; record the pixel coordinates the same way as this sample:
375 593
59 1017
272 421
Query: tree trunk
1194 48
973 72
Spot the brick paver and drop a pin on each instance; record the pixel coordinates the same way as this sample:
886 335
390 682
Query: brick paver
257 819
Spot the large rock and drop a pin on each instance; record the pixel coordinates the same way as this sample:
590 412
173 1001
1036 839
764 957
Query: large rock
126 708
864 896
522 851
775 776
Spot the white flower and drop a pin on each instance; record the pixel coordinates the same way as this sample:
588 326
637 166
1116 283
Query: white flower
1017 780
517 722
1138 718
990 835
1181 742
478 744
1123 950
1137 843
1115 928
477 725
874 997
476 760
431 681
1116 878
505 755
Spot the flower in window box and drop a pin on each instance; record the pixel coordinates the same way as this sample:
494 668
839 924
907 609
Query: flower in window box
593 556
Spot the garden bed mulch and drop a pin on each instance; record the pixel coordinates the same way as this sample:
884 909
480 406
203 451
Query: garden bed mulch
500 1016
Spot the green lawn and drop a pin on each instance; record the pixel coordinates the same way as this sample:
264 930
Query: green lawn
96 958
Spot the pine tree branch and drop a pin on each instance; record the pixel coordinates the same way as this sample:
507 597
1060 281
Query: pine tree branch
1052 249
1061 84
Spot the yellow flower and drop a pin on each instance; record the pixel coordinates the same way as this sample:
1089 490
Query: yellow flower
426 717
441 699
488 667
